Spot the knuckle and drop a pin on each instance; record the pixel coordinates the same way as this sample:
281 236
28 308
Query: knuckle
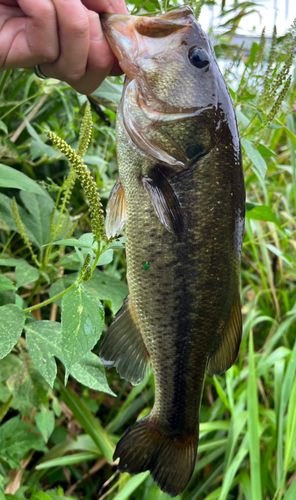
46 10
47 53
50 54
80 28
75 75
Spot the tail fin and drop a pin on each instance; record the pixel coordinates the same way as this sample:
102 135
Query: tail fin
170 459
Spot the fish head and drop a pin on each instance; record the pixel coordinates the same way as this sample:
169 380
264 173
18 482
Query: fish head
169 51
172 76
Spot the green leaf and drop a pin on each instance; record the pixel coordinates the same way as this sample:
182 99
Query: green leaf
72 242
44 342
61 285
232 469
7 216
265 152
231 92
12 320
242 118
291 428
286 392
75 458
38 220
3 127
90 372
40 495
276 251
6 284
105 258
249 205
82 324
290 134
261 212
221 393
37 146
3 225
8 366
70 261
26 386
274 127
12 178
25 274
16 439
291 493
10 262
109 91
93 160
45 422
108 288
255 157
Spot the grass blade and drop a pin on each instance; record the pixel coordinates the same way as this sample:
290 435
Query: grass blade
253 426
88 422
291 428
77 458
286 392
131 486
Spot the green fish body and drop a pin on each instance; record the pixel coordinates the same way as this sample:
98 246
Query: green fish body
181 197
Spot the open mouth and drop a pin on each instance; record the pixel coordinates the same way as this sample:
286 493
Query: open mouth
130 36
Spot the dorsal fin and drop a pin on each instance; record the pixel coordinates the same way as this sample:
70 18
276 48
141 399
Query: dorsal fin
227 351
164 201
123 346
115 211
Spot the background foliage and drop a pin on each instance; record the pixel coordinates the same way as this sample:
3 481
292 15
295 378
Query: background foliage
57 441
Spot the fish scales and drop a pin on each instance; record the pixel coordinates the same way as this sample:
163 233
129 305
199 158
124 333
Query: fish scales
182 182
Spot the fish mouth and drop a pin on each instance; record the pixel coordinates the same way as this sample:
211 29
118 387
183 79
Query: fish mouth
130 36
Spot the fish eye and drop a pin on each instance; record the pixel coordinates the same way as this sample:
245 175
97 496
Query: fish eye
198 57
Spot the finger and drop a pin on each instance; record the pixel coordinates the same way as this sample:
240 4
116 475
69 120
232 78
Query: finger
111 6
29 34
100 58
74 29
9 3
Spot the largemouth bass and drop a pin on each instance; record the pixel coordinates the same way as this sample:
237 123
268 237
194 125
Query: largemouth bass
181 196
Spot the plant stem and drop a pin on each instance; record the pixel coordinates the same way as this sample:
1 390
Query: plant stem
7 243
18 105
49 301
5 76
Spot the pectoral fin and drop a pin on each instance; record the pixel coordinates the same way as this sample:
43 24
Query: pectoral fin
123 346
115 211
164 201
227 351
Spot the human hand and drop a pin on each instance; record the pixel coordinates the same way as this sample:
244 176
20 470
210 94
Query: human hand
64 37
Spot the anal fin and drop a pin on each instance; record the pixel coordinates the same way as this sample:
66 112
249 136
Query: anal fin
123 346
164 201
227 351
116 210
